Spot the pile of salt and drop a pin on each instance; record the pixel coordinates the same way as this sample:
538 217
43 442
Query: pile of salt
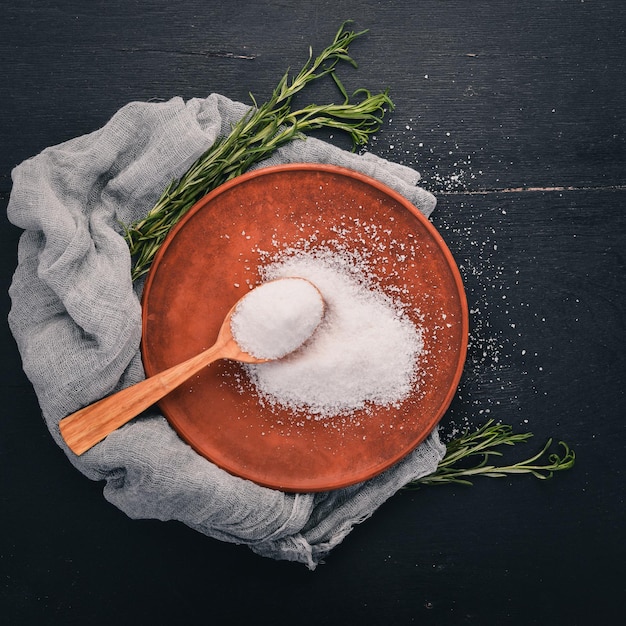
365 352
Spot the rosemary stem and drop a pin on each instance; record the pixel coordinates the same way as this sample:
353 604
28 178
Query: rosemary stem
255 137
457 467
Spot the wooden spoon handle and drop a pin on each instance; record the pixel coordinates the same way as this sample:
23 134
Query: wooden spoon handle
91 424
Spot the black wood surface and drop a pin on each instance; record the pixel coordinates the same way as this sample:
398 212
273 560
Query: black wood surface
514 114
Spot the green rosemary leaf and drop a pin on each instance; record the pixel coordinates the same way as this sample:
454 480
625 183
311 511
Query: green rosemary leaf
467 456
257 136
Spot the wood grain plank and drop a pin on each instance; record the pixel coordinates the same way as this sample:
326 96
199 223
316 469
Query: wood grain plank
501 96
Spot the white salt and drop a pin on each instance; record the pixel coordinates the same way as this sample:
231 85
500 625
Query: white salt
364 353
277 317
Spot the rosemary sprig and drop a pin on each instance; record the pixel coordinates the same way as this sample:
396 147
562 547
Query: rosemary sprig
255 137
454 467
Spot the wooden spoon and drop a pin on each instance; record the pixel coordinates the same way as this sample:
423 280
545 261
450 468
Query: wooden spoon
91 424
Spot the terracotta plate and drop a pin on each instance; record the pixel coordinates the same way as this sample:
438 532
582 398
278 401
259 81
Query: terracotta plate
213 257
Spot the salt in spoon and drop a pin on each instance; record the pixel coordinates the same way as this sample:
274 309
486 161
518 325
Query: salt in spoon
88 426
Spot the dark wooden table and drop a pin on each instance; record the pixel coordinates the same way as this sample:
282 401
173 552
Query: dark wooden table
514 113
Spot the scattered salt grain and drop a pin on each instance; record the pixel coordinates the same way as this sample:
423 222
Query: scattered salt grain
364 353
277 317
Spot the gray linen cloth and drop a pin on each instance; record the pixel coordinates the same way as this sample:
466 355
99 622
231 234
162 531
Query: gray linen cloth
76 318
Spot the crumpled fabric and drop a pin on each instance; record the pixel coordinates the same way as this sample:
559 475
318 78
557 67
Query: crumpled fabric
76 319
